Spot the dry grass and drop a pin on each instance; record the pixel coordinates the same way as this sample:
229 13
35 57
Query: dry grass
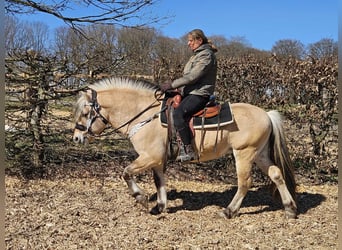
98 213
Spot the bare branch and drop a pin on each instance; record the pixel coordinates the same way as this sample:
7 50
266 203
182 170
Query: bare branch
103 12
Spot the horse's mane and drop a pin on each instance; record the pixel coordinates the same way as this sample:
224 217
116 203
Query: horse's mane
122 83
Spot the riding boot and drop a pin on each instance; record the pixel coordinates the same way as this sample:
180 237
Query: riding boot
186 153
181 148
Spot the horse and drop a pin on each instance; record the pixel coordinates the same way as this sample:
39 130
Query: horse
132 108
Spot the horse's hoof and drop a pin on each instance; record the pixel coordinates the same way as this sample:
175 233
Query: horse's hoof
221 214
290 214
227 214
158 209
142 199
155 210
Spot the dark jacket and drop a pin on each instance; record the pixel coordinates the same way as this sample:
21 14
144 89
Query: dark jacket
199 74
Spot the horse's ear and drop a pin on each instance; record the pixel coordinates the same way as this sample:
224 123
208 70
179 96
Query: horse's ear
84 93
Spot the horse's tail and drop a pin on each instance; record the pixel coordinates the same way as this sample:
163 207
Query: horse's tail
280 155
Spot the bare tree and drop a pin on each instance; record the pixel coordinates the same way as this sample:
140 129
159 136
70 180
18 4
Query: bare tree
29 73
169 58
37 32
94 55
322 49
219 41
137 45
235 46
289 48
25 35
102 50
11 29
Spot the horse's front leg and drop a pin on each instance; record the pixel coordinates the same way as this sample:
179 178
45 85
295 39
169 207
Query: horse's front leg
138 166
133 187
159 180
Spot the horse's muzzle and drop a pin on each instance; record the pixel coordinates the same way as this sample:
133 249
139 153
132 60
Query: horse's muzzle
79 138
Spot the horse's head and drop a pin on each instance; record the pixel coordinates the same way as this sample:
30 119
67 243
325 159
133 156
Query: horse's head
88 119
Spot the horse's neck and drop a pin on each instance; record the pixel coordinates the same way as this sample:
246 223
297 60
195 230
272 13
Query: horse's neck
123 105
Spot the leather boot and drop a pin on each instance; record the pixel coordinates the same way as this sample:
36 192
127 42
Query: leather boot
186 153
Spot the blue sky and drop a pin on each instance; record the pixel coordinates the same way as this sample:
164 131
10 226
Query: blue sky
260 22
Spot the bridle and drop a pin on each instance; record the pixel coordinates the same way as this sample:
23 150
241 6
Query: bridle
93 115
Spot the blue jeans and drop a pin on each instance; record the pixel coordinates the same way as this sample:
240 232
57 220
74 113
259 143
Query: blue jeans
189 106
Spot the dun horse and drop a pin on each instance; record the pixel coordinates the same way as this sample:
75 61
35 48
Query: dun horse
132 108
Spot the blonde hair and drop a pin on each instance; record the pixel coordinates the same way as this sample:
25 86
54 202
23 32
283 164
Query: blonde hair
199 34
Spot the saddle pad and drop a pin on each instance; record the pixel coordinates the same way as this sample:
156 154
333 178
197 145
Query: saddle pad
225 117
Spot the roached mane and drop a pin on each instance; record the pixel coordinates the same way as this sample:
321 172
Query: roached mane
119 82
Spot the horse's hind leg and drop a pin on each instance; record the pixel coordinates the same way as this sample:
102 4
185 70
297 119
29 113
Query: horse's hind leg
274 172
243 159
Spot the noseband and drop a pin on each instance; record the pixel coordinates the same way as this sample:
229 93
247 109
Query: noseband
94 114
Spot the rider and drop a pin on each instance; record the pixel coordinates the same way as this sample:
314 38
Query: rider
196 86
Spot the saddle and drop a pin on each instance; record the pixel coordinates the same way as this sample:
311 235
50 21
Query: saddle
211 109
